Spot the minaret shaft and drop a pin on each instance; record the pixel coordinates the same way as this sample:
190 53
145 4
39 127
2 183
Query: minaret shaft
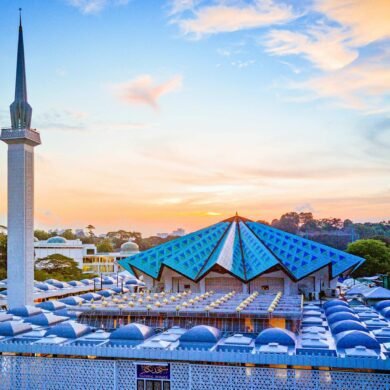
20 256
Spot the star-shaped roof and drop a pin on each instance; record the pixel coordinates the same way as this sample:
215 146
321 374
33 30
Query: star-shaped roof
243 248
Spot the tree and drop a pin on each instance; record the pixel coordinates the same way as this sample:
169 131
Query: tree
3 256
90 229
58 267
377 256
288 222
121 236
41 235
105 246
68 234
263 222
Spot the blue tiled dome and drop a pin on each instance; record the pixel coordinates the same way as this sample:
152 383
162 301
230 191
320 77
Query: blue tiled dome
342 316
133 331
73 301
343 326
382 304
69 330
201 334
13 328
334 302
89 296
386 312
25 311
338 309
56 240
51 305
353 338
276 335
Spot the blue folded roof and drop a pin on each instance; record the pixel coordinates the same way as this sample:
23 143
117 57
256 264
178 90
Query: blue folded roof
243 248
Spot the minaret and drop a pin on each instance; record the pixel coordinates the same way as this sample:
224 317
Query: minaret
21 140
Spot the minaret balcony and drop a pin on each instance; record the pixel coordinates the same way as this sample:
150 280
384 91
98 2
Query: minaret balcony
29 136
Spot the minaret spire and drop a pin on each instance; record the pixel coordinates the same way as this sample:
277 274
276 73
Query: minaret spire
21 111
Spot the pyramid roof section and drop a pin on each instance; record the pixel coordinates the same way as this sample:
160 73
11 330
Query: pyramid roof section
244 249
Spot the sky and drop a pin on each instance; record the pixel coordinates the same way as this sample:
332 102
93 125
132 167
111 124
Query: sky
161 114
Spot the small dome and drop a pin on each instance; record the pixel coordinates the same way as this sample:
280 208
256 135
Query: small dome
56 240
129 247
343 326
201 334
69 330
276 335
133 332
382 304
334 302
386 312
338 309
353 338
341 317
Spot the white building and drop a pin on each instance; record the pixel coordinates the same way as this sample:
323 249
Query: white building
74 249
86 255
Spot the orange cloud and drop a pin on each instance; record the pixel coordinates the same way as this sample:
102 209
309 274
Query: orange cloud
324 46
367 21
357 86
227 18
144 90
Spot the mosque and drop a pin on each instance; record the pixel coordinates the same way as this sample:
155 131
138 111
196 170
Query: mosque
223 308
244 256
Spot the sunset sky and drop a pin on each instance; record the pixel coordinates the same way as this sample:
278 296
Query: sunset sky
158 114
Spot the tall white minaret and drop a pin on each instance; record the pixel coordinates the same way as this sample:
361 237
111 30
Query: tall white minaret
21 140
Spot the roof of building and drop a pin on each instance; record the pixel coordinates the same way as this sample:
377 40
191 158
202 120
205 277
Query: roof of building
69 330
276 335
337 347
245 249
129 247
56 240
201 334
132 332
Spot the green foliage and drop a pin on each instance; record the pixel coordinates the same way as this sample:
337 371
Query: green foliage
3 256
104 246
150 242
41 234
376 253
68 234
58 267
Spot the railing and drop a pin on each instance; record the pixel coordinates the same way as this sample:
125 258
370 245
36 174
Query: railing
30 134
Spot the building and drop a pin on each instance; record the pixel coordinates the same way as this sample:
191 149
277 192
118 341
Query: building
21 140
242 255
109 262
74 249
51 346
86 255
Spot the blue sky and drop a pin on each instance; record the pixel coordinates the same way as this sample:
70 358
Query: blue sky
158 114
